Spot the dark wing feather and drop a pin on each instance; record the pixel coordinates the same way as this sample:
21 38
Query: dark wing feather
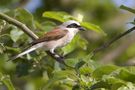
52 35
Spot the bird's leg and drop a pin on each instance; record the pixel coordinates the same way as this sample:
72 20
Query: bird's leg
56 56
61 56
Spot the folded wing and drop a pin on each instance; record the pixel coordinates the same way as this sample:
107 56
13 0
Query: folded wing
52 35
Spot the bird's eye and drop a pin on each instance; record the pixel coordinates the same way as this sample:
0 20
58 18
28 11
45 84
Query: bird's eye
74 25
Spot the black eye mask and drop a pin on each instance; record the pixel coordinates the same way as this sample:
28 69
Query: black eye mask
74 25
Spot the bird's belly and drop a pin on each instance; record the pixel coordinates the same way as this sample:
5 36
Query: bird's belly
57 43
65 40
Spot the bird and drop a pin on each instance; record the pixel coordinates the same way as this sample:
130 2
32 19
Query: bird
59 37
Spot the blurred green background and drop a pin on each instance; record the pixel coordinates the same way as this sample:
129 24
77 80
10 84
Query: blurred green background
36 70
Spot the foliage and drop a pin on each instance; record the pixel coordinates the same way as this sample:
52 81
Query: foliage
38 71
5 79
62 16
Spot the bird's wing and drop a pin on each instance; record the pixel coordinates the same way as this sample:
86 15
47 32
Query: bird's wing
52 35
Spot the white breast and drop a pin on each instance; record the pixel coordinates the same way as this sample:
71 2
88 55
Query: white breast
61 42
70 35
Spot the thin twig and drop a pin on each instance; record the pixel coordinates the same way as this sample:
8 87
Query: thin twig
107 44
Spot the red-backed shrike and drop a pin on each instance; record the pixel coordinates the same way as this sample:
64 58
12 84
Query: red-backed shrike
58 37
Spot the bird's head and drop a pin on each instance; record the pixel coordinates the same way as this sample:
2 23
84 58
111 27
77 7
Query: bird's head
72 24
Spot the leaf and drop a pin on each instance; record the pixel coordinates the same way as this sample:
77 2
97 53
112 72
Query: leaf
22 68
60 16
63 16
12 50
100 84
111 79
109 82
79 64
15 34
76 42
76 87
45 26
93 27
62 74
25 17
103 70
85 70
126 75
131 69
71 62
127 8
57 76
2 48
128 86
6 80
115 82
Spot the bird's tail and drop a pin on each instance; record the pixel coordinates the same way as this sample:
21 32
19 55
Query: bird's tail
23 53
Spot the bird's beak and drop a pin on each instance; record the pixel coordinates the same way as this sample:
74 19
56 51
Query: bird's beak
81 28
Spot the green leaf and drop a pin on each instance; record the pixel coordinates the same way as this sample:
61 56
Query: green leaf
6 80
45 26
103 70
22 68
62 74
100 84
85 70
71 62
2 48
63 16
126 75
109 82
111 79
127 8
60 16
93 27
131 69
76 42
128 86
115 82
12 49
15 34
25 17
79 64
57 76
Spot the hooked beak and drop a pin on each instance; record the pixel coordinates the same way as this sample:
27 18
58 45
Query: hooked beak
81 28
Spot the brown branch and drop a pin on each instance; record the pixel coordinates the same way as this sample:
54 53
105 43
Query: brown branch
111 56
107 44
19 25
24 28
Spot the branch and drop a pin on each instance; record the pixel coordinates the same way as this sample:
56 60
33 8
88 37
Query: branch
24 28
107 44
119 50
19 25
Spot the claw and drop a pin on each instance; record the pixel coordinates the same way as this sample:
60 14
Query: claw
60 59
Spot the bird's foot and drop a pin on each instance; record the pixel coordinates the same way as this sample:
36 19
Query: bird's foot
60 59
